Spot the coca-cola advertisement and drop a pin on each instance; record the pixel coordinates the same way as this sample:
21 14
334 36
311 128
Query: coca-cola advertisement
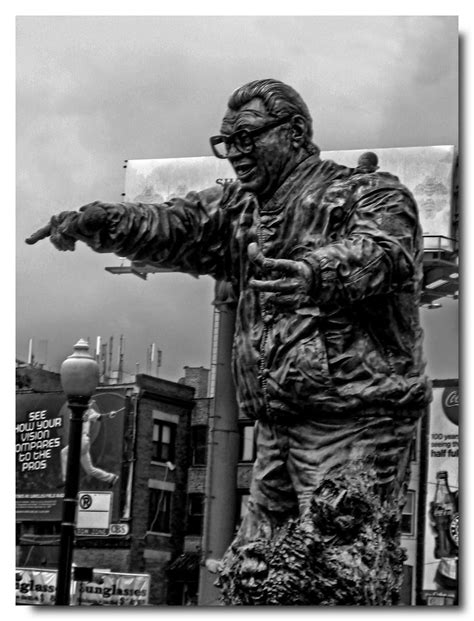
441 550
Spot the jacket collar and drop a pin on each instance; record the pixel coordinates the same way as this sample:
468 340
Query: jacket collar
277 200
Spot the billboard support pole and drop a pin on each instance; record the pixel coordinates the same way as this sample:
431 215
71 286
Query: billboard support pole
221 475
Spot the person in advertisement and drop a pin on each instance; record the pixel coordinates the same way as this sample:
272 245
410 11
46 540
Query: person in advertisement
90 418
326 264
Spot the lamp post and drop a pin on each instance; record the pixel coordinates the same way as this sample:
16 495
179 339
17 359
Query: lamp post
79 379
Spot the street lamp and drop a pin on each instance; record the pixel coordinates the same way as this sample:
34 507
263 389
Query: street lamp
79 379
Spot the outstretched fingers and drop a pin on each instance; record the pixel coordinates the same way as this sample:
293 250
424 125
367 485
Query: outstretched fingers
280 285
278 275
68 226
42 233
58 230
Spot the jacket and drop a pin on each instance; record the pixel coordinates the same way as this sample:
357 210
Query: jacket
354 342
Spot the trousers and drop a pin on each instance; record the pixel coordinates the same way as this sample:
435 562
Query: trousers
86 463
294 458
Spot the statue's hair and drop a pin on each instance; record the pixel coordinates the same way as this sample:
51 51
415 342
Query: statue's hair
279 99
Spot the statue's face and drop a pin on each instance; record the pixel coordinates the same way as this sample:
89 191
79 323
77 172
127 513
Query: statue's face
263 169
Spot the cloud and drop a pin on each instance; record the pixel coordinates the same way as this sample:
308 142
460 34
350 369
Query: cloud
93 91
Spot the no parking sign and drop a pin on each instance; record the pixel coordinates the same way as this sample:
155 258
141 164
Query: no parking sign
93 513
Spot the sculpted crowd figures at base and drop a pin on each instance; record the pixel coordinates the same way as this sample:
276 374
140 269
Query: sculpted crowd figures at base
326 264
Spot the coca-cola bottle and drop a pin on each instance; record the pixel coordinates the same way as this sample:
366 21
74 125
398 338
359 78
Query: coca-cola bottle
442 512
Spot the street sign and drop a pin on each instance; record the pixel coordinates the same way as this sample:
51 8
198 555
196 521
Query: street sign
93 514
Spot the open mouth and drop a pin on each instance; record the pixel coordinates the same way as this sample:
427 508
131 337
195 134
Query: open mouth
244 170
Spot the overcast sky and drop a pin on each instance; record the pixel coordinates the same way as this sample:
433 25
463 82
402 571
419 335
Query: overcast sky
95 91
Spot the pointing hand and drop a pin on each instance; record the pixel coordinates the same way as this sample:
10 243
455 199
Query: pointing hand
68 226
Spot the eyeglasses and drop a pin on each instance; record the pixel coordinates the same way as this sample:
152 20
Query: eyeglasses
243 139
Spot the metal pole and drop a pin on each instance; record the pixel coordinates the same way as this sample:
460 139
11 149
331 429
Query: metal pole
221 472
77 405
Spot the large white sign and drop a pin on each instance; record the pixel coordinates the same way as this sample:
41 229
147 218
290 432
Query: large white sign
426 171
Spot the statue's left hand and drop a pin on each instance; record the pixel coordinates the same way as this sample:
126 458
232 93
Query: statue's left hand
286 278
65 228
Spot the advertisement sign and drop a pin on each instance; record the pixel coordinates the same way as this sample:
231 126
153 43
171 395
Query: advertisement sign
113 589
426 171
39 438
37 587
441 546
42 431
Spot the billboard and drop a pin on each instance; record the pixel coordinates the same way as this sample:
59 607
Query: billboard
39 438
37 587
441 545
426 171
42 429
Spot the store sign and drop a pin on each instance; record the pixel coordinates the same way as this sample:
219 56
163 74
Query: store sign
113 589
441 546
37 587
119 529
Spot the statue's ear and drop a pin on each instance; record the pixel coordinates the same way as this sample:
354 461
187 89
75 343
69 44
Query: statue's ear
298 130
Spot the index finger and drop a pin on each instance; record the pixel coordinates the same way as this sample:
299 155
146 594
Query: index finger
282 285
287 266
40 234
256 255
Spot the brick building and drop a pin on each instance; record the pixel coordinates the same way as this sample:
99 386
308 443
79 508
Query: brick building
149 501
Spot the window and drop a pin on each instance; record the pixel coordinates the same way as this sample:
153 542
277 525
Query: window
159 511
199 445
164 435
195 514
408 515
247 443
48 533
415 445
42 529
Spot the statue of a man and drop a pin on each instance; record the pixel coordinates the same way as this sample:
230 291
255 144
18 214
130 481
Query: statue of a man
326 264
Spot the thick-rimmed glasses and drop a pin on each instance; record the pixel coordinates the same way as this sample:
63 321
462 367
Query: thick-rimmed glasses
243 139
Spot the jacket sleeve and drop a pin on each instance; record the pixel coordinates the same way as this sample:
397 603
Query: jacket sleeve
93 416
378 253
186 234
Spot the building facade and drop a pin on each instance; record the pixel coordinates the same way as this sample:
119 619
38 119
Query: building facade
150 440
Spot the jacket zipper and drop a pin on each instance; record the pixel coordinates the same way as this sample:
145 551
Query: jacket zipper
263 342
263 370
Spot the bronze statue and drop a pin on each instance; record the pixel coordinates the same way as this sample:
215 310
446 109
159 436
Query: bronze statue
326 264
